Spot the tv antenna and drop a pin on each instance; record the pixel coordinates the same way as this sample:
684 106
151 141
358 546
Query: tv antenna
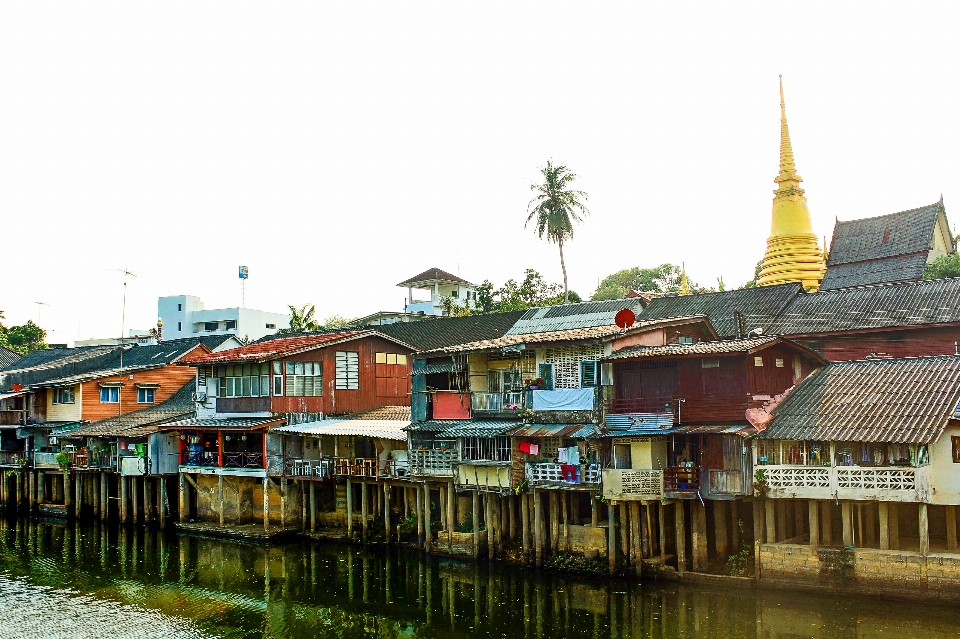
39 305
123 326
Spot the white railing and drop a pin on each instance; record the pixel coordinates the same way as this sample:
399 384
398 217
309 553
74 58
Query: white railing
496 402
845 482
547 474
433 462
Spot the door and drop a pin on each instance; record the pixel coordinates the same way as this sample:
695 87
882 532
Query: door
164 453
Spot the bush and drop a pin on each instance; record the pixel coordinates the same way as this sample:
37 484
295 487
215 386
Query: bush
564 562
63 460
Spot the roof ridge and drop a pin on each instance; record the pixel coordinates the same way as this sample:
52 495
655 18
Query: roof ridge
938 205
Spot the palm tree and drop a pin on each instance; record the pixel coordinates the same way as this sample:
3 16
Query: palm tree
555 209
301 319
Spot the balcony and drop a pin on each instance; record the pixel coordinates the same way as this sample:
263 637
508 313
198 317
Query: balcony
497 402
716 408
451 405
721 484
681 479
45 460
893 483
369 467
12 457
632 484
210 462
483 475
563 399
433 462
562 475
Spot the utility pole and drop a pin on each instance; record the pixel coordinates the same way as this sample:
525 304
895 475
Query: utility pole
123 327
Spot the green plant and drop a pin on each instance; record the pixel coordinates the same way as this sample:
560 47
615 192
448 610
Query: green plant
737 564
760 485
407 525
565 562
465 526
63 460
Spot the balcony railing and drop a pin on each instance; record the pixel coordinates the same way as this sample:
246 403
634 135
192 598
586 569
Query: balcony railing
893 483
433 462
632 484
550 474
311 467
679 479
12 457
366 467
497 402
45 460
242 460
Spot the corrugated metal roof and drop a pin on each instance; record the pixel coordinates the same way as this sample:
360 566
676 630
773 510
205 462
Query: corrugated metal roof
232 423
700 348
758 306
620 423
715 429
464 428
572 316
555 430
904 400
378 428
8 357
431 369
398 413
880 306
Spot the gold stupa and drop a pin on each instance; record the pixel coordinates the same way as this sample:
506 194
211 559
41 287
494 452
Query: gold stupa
684 283
793 253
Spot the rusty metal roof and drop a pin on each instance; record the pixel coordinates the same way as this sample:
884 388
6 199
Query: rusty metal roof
464 427
555 430
903 400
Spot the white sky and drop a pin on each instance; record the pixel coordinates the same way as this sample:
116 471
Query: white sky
339 148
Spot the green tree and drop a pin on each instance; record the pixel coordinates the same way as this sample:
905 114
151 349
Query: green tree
301 319
555 208
756 276
659 279
25 338
452 308
943 267
337 321
532 291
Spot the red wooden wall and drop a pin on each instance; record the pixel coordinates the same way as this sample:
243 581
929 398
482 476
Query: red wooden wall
895 343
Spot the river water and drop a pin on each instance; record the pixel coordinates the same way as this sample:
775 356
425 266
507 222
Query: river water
98 582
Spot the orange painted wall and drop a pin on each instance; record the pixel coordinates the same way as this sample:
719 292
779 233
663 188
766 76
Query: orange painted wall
171 379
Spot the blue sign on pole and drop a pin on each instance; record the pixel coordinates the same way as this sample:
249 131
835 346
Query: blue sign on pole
244 272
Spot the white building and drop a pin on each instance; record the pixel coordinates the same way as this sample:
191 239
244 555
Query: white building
439 284
184 316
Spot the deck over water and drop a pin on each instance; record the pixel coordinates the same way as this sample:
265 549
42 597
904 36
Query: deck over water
59 581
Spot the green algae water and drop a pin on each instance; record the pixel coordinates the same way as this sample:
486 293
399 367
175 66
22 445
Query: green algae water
72 582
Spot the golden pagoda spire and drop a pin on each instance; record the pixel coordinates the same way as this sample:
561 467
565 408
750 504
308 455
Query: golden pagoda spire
684 284
793 253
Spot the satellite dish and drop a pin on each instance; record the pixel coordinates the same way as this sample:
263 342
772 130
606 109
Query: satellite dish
625 319
17 388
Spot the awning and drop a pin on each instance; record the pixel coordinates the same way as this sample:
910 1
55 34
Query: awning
714 429
555 430
430 369
449 428
205 424
62 428
378 428
12 394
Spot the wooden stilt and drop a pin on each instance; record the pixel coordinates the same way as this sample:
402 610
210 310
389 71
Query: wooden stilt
720 528
164 505
846 517
554 521
612 537
565 496
662 537
421 538
699 536
681 538
771 520
350 509
924 530
427 532
525 526
893 511
313 506
813 513
826 523
266 504
884 516
284 492
475 519
951 515
220 497
364 510
537 528
451 514
387 489
488 521
124 498
184 497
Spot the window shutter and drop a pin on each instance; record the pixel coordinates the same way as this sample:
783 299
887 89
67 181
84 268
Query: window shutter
493 382
588 373
606 374
545 372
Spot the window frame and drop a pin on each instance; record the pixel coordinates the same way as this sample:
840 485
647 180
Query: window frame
143 393
347 370
110 390
58 395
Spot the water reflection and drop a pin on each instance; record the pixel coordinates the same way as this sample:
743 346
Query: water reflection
61 581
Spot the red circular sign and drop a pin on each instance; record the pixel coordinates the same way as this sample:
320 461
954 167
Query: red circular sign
625 318
17 388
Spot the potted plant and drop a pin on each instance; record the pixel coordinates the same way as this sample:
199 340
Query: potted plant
760 485
535 384
63 460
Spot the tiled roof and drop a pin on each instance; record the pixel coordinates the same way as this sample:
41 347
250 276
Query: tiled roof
464 427
903 268
881 306
757 305
144 421
266 350
7 357
77 365
905 232
906 400
722 347
432 334
233 423
563 317
432 274
401 413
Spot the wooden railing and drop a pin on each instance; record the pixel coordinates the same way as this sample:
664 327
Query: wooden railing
681 479
242 460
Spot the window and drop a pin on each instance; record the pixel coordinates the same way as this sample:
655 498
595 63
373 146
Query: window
271 326
779 363
683 339
621 456
179 326
588 373
304 379
348 370
63 395
545 372
109 394
486 448
606 374
230 324
210 326
391 358
146 395
956 449
244 380
758 361
179 307
710 362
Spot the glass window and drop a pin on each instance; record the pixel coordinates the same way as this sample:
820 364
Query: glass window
277 368
348 370
63 395
109 395
402 360
146 395
305 380
381 358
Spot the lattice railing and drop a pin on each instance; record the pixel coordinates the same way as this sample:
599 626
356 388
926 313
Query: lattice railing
642 483
797 477
857 478
433 462
549 473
